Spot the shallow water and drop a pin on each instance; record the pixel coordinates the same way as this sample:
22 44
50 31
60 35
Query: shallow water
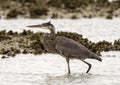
50 69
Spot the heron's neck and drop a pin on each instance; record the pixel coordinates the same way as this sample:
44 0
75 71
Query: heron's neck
52 32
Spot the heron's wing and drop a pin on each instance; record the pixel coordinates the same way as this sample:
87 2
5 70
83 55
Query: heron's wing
70 47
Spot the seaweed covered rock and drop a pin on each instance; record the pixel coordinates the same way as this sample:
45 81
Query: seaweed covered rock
104 46
36 36
13 43
116 45
4 57
37 47
3 51
26 32
10 51
4 35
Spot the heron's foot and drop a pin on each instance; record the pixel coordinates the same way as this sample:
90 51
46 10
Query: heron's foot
89 66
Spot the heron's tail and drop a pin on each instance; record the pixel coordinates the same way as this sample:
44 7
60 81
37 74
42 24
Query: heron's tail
94 56
99 59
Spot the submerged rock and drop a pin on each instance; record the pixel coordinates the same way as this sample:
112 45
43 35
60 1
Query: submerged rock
4 57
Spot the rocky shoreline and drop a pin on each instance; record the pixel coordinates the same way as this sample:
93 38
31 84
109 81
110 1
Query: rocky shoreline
13 43
59 9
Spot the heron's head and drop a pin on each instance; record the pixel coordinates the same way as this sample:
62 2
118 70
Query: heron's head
47 25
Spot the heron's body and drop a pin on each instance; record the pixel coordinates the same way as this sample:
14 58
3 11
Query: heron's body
73 49
66 47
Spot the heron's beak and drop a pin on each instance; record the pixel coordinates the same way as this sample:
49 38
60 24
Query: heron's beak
35 26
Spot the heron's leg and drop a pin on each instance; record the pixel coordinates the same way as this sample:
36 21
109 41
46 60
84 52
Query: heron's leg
88 65
68 65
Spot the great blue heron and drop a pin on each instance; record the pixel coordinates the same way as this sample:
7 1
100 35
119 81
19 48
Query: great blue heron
64 46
